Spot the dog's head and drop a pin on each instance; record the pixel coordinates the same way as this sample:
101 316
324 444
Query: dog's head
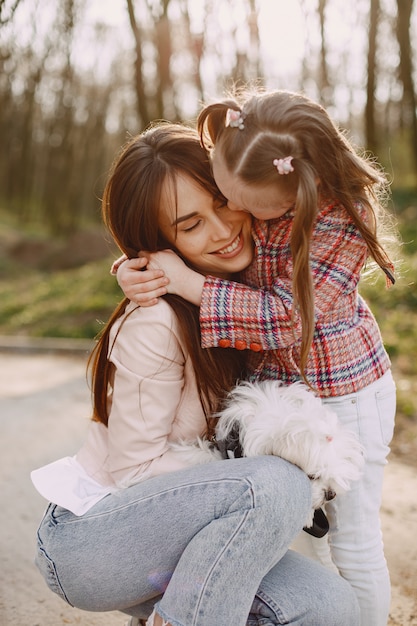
329 453
291 422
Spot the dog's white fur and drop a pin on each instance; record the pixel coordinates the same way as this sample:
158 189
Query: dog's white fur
290 422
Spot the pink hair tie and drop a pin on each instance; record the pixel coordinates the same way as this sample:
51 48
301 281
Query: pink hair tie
283 165
235 119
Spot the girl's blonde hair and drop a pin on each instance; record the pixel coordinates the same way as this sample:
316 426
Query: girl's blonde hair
278 124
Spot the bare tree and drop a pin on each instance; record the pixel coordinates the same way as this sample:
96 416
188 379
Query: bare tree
61 189
253 54
404 11
370 125
165 105
324 82
141 98
164 49
157 98
195 44
61 122
247 66
19 121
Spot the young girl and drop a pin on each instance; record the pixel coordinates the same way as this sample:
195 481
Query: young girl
280 157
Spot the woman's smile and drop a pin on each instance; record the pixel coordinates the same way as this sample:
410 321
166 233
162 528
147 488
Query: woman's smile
231 249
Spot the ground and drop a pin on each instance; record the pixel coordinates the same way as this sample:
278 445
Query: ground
44 411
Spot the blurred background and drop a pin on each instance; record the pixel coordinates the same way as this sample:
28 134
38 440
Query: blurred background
77 77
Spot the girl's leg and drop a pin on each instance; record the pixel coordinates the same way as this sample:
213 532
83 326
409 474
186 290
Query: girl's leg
204 537
355 531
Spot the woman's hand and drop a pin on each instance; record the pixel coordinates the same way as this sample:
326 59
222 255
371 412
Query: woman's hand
116 264
138 281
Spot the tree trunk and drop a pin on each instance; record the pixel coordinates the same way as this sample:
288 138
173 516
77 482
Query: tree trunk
165 100
255 44
195 44
370 127
324 83
405 8
141 99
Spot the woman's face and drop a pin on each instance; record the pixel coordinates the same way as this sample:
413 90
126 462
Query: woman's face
204 230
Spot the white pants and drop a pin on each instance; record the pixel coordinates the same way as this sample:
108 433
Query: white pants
354 544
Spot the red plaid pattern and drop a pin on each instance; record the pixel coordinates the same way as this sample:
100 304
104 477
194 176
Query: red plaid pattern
347 352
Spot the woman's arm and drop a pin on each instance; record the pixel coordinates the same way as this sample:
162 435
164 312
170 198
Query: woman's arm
154 398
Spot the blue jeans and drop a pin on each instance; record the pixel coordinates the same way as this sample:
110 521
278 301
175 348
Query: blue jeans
212 540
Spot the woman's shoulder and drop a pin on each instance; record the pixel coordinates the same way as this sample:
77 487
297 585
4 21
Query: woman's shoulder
155 329
161 312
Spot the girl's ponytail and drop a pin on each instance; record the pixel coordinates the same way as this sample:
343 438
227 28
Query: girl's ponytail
302 283
212 121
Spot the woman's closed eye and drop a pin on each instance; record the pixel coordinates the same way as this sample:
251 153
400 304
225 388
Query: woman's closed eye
191 227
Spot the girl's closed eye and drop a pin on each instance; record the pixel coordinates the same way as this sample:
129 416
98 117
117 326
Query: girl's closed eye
221 208
220 203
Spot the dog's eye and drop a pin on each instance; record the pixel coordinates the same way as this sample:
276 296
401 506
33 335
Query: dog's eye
313 476
329 494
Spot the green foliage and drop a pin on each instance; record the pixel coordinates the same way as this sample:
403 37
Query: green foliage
72 303
396 156
395 310
407 216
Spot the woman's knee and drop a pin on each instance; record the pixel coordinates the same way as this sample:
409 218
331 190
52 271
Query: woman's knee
281 486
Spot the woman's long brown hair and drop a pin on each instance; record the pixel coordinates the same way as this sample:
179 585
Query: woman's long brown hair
130 208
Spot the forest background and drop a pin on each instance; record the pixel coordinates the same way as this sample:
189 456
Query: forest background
77 78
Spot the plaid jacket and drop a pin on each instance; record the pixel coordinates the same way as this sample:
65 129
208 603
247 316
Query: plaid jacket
347 353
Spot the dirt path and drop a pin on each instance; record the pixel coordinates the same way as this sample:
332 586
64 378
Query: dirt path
44 408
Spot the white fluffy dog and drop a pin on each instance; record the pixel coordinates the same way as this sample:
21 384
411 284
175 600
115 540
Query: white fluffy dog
290 422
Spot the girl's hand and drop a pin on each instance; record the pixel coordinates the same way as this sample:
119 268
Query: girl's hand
139 282
179 278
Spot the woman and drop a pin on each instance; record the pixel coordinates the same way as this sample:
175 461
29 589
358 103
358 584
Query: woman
129 525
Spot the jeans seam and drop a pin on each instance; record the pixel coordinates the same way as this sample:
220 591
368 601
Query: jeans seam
91 516
209 573
252 505
271 605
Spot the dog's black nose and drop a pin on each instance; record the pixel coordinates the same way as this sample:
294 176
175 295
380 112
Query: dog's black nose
329 494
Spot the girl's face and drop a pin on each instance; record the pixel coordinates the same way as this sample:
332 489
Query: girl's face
265 202
204 230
